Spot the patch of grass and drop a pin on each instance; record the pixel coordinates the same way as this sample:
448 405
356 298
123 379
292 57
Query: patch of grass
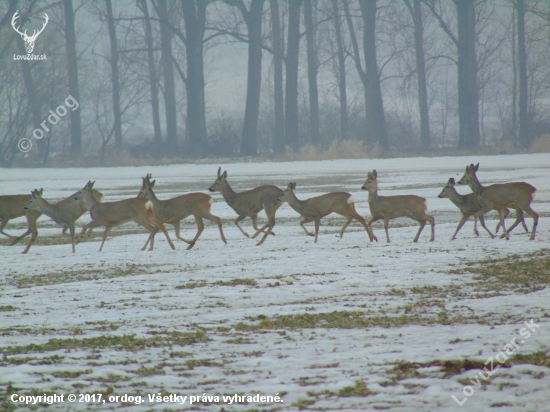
70 374
535 358
7 308
521 275
193 363
154 370
127 342
81 275
236 282
336 319
192 285
359 389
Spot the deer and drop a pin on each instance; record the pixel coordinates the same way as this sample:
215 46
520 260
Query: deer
110 214
29 40
174 210
499 196
249 203
13 206
391 207
315 208
469 205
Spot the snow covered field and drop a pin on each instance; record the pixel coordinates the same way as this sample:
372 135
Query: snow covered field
343 324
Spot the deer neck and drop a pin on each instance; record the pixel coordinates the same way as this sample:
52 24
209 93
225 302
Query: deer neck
45 207
373 193
476 187
154 199
456 197
295 203
228 194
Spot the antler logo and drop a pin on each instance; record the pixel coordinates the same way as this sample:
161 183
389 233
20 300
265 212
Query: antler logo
29 40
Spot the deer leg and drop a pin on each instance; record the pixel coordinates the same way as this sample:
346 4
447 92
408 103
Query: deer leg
177 229
482 221
386 224
505 234
307 220
90 225
17 239
4 223
34 235
461 223
506 213
105 233
71 231
317 222
519 219
422 224
241 217
153 221
200 228
475 227
218 221
432 224
345 226
535 217
361 220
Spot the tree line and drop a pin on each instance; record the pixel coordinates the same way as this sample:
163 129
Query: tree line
393 74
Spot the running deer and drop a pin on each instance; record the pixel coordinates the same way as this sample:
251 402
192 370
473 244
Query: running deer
391 207
13 206
469 206
315 208
111 214
499 196
250 203
174 210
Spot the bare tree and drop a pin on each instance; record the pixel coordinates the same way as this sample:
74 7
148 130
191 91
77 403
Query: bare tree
72 70
279 127
142 4
312 70
524 126
114 76
341 71
291 87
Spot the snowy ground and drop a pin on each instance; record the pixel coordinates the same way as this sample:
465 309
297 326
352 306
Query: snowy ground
343 324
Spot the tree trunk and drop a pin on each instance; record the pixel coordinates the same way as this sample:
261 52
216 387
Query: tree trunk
32 97
524 126
253 20
421 75
312 73
341 73
467 76
194 15
152 74
376 124
291 87
114 76
514 80
72 69
168 76
279 127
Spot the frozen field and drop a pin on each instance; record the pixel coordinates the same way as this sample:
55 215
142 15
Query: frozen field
343 324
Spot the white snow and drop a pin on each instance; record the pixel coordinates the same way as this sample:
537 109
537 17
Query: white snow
123 291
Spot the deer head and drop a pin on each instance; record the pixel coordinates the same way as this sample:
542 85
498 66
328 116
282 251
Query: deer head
29 40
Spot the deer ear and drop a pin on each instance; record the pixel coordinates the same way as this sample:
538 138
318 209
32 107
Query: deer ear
40 192
219 171
224 175
374 174
152 183
290 186
92 184
451 182
476 167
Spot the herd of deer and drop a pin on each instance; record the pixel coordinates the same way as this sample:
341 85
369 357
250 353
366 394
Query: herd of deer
149 211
